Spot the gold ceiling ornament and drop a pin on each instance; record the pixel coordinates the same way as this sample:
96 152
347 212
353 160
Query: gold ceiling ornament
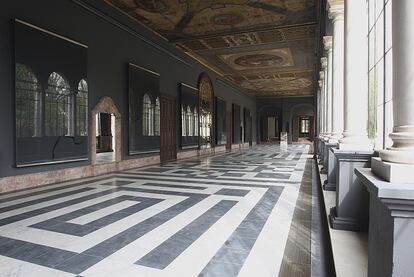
180 18
241 40
291 93
260 59
277 84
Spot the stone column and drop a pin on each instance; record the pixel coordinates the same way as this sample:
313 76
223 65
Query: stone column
324 67
356 78
320 112
396 164
322 103
336 14
327 41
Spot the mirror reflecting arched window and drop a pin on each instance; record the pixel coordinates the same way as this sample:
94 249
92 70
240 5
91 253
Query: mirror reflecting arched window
157 117
195 122
58 107
147 116
183 122
28 103
188 122
82 109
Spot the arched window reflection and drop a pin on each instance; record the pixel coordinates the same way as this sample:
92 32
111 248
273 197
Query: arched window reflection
58 107
183 123
147 116
195 122
28 103
189 121
82 108
157 117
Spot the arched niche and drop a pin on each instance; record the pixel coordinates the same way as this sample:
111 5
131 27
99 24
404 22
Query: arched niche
296 112
270 115
105 105
206 111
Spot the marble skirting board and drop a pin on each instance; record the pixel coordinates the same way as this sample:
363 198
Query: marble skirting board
19 182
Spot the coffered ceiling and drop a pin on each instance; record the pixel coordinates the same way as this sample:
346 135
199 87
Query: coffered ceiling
264 46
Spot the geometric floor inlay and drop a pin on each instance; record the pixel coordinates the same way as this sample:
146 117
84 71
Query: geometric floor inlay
227 215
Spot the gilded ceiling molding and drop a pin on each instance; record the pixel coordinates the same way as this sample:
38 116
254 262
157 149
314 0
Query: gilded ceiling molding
236 38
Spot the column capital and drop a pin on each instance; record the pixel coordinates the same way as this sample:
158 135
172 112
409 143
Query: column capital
327 42
336 9
324 62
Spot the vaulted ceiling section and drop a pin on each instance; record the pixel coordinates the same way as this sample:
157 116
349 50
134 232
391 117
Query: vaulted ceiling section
266 47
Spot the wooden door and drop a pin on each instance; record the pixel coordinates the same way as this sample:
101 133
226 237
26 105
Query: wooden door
229 130
311 128
168 129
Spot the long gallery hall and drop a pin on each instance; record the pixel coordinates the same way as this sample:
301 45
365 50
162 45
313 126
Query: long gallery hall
207 138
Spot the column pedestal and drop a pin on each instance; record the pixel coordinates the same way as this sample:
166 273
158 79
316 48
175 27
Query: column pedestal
391 226
322 142
316 145
352 199
326 146
330 183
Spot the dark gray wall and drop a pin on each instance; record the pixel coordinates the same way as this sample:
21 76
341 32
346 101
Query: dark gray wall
113 41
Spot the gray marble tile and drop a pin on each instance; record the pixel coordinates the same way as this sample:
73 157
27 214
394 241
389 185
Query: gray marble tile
232 192
78 263
165 253
196 176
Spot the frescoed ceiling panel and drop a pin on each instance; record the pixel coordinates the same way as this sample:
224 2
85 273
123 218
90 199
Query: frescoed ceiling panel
264 46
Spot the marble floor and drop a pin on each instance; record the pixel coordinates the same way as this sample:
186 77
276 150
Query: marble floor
234 214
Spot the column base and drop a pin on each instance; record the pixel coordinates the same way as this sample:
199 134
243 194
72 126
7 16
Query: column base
355 147
335 138
329 186
346 224
393 172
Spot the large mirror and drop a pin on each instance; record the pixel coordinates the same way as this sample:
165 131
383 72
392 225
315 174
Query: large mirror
221 114
237 128
51 97
189 116
144 110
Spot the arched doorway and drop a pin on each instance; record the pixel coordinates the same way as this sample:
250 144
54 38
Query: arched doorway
270 123
206 107
302 122
105 106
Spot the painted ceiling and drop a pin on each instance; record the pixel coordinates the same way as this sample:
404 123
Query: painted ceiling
264 46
